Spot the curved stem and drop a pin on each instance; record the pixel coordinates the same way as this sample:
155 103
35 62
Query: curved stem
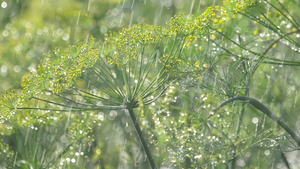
258 105
141 137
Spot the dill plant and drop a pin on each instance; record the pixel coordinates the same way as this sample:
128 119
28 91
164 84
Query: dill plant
169 81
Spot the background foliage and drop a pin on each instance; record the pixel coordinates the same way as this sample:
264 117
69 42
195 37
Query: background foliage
75 108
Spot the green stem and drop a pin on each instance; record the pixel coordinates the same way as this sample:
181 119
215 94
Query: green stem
242 112
141 137
285 160
258 105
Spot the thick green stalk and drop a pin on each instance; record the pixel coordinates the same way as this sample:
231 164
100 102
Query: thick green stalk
141 137
255 103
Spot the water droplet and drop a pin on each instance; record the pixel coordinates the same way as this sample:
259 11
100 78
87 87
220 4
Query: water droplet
267 152
198 156
99 103
66 37
3 69
241 163
255 120
4 4
100 116
5 33
113 113
17 68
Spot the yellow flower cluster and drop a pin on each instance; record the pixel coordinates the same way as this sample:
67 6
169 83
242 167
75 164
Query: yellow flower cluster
60 69
239 5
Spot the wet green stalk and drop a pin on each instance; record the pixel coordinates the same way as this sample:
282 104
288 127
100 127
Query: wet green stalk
258 105
141 137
